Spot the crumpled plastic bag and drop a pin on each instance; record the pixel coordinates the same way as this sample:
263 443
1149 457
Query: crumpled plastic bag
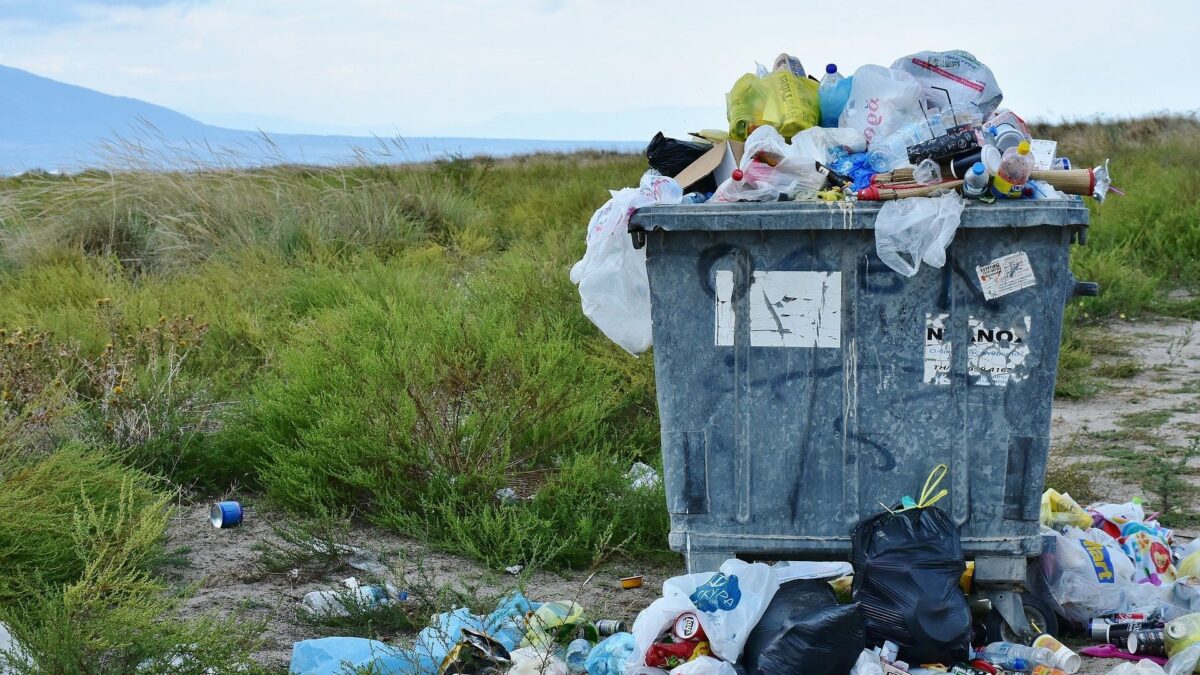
1180 598
613 285
957 72
1089 576
531 661
1059 510
881 101
1148 546
729 604
826 145
919 227
779 99
704 665
770 167
547 622
610 655
868 664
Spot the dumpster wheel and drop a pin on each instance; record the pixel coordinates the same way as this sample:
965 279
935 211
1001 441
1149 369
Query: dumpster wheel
1040 617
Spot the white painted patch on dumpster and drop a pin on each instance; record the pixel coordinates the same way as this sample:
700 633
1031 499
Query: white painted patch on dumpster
937 349
1006 274
725 316
997 354
787 309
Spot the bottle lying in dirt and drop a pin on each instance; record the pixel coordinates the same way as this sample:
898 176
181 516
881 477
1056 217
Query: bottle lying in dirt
1010 656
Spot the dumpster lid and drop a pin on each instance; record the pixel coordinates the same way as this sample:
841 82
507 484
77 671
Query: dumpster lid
819 215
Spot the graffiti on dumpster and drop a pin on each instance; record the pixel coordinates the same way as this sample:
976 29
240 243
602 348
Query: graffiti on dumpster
997 355
787 309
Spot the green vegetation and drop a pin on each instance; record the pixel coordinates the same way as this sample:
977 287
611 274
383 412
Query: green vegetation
391 344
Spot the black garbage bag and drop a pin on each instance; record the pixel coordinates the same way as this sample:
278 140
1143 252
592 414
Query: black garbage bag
907 567
669 156
804 630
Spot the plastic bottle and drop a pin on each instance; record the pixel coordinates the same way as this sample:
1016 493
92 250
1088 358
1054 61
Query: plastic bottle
1014 171
833 93
975 183
1012 656
1063 657
577 654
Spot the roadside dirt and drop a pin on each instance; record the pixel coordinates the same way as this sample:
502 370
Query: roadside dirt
1159 372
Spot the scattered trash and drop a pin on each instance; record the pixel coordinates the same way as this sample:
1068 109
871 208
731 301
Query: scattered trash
920 228
368 561
610 656
643 476
224 515
805 630
631 582
342 603
13 657
514 569
506 495
530 661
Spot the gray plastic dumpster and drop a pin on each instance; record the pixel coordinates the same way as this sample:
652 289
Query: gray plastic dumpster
802 383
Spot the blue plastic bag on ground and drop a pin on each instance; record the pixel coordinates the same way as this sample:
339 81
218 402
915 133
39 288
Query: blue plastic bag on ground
610 656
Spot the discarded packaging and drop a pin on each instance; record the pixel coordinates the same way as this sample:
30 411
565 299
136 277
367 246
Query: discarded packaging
225 514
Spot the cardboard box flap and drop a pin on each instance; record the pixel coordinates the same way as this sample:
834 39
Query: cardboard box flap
720 161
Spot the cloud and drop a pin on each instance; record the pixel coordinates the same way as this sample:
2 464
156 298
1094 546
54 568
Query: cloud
425 68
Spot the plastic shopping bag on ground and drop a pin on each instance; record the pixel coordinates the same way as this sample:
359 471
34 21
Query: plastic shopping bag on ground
1059 510
1089 575
704 665
728 603
1182 663
919 227
771 167
957 74
612 274
610 656
881 101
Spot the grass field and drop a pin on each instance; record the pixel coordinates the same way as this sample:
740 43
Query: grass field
390 344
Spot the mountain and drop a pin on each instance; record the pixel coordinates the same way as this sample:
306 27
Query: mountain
46 124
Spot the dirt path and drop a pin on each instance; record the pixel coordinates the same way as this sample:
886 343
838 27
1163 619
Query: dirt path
1148 402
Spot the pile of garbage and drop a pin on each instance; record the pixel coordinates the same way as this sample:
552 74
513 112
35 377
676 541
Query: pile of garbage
1114 575
923 136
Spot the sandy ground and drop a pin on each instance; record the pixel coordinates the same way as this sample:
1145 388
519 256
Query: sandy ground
220 564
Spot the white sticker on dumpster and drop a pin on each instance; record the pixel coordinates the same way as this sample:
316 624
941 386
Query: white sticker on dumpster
997 355
1006 274
937 349
787 309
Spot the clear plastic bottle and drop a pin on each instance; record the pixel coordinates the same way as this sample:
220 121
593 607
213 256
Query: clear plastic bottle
1016 657
833 93
1014 171
577 654
975 183
891 152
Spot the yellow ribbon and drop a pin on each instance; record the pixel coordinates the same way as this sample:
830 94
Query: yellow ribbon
928 498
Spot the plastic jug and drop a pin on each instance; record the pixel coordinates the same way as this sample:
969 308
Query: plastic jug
1015 167
834 91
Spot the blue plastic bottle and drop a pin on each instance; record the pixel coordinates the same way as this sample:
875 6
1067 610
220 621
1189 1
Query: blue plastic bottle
833 93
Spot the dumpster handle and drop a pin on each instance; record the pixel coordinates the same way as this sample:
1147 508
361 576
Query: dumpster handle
1086 288
639 237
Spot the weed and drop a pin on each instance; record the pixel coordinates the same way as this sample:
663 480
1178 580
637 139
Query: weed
1145 419
306 550
1072 478
1120 370
1165 477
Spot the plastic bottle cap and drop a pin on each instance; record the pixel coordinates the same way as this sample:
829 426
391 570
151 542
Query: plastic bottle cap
831 68
977 168
1023 148
1020 664
737 174
1176 630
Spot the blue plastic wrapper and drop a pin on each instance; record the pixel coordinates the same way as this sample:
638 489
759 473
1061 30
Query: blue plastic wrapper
609 657
857 167
330 656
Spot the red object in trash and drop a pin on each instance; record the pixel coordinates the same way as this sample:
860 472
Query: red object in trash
737 174
674 654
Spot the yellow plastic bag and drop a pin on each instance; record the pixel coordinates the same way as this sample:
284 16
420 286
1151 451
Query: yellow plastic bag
780 99
552 623
1189 566
1059 510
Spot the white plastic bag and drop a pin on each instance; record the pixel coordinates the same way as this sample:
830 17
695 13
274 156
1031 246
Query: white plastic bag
815 143
612 274
921 227
729 604
1182 663
867 664
531 661
881 101
770 167
961 74
704 665
1092 576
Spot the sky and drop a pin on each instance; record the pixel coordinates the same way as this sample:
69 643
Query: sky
603 70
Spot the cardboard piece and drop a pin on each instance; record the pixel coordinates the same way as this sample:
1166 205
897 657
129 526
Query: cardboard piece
720 161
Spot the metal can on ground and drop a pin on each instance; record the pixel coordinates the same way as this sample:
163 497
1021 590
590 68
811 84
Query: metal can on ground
224 515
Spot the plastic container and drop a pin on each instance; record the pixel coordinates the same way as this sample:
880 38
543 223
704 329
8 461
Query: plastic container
1063 658
975 183
1011 656
1015 167
833 93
